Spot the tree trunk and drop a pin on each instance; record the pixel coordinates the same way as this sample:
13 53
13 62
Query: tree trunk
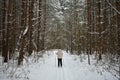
4 49
118 26
89 29
22 40
99 30
31 13
44 26
9 22
39 26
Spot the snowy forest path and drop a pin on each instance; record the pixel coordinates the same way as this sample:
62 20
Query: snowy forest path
72 69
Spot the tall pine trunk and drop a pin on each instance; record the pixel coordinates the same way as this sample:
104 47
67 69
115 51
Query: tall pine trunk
4 49
9 22
89 29
30 30
22 40
118 26
39 26
43 26
99 30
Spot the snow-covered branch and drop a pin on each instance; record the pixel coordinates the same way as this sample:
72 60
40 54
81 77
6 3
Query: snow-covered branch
112 7
25 31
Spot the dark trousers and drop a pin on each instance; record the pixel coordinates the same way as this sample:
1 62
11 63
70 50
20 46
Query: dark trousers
59 62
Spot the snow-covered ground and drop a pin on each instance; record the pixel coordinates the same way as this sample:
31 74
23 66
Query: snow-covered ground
46 69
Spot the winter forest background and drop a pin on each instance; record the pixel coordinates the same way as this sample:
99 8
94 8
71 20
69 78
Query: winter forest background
81 27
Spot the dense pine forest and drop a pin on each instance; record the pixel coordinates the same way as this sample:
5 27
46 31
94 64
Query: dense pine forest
89 27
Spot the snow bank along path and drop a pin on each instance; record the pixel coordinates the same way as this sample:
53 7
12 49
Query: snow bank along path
72 69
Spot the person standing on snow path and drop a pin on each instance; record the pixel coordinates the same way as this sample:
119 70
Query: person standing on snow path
59 56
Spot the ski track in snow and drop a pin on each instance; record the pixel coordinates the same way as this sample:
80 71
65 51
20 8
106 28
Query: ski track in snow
71 70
